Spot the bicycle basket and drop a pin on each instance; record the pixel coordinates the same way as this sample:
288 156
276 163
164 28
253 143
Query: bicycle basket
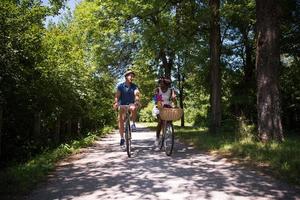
171 114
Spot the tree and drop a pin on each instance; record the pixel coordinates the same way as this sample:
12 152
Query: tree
51 84
215 69
267 66
238 52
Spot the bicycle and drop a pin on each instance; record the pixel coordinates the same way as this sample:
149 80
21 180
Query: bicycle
127 129
166 139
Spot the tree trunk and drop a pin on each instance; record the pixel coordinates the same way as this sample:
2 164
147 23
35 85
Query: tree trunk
37 126
57 131
215 71
181 96
1 122
163 54
181 106
267 65
249 65
69 128
243 90
180 80
79 124
167 63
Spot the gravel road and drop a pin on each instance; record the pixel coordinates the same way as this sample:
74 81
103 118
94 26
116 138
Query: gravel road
104 171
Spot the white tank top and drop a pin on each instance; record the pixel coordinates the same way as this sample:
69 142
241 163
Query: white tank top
165 96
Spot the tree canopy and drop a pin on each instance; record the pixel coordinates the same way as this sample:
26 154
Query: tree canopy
57 82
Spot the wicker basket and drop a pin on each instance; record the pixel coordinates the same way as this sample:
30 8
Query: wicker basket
171 114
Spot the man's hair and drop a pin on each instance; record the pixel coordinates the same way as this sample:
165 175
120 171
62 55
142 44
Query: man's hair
129 72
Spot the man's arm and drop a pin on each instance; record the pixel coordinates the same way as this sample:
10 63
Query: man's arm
117 97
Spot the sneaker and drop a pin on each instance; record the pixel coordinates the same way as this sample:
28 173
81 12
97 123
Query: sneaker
133 128
122 142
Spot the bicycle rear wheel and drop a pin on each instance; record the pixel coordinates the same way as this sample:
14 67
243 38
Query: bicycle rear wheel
161 141
168 138
128 138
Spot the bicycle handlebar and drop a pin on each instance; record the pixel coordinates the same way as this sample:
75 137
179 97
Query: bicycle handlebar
126 106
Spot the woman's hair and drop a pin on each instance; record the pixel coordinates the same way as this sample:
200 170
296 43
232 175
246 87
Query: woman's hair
165 80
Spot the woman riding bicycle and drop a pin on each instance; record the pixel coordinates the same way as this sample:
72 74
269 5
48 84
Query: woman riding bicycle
163 97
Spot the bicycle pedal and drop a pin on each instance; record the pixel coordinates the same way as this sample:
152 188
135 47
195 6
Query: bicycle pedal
123 147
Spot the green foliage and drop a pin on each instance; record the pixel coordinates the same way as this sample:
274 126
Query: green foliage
196 105
145 77
67 71
245 129
146 113
290 90
52 73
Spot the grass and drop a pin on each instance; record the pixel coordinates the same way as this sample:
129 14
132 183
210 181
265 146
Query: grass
282 160
20 179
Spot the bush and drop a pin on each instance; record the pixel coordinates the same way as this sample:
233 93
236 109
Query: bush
245 129
146 113
200 120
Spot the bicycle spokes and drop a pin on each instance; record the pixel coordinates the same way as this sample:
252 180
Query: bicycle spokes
169 139
128 138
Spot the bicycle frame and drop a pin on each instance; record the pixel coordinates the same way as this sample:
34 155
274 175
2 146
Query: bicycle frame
127 128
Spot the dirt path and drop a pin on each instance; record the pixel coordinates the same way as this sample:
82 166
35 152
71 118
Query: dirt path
105 172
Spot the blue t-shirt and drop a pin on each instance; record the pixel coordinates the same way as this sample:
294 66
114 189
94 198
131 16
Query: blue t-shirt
127 93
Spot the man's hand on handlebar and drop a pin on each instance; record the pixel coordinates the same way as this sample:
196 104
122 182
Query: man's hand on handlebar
137 103
116 105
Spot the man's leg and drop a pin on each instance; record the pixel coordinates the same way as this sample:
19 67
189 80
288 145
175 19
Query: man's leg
121 125
133 110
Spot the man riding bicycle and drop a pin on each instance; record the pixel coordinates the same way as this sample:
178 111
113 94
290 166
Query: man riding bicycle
127 94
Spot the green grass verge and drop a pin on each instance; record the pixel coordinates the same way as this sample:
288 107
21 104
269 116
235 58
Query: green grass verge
279 159
20 179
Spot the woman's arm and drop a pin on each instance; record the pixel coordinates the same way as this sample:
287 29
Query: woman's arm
173 97
137 95
156 92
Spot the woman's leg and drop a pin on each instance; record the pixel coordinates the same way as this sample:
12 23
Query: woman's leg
158 128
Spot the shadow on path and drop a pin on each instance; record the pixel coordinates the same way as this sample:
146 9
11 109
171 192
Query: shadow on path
105 172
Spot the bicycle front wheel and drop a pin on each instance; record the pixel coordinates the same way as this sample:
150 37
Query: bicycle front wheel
169 138
128 138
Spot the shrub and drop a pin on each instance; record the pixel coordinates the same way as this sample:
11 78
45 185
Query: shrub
146 113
